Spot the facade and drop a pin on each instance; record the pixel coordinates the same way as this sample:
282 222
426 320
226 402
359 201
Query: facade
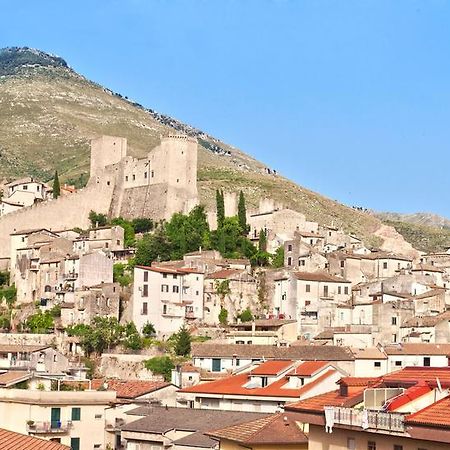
167 298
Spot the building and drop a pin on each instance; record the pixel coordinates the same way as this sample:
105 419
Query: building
276 431
264 387
9 440
167 298
407 409
177 429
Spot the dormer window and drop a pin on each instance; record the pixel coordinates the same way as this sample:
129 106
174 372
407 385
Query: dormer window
343 390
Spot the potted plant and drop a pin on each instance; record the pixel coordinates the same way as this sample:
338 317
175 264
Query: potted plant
31 424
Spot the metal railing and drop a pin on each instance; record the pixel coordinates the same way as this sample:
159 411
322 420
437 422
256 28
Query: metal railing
49 427
369 419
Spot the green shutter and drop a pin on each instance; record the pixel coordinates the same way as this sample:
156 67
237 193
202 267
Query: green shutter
76 413
75 443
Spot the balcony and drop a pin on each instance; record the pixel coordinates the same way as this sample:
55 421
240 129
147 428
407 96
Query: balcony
189 315
49 427
374 420
70 276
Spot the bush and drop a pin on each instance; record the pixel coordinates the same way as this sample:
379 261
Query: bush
148 330
97 219
246 315
182 341
223 316
160 365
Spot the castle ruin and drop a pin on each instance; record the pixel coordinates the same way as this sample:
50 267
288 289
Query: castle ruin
163 183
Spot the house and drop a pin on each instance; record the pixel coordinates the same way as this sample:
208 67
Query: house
373 361
432 329
225 358
276 431
178 429
9 440
263 332
108 238
76 418
303 256
407 409
264 387
167 297
39 358
232 289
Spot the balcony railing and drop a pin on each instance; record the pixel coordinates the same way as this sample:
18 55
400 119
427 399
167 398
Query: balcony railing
366 419
50 427
189 315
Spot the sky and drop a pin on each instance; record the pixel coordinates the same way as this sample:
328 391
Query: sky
347 98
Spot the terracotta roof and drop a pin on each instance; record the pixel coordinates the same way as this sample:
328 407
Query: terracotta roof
279 429
296 352
427 268
14 348
384 255
272 367
234 385
9 440
328 333
225 274
427 321
359 381
319 277
431 293
170 270
408 396
369 353
416 374
130 389
309 368
263 323
417 349
437 414
31 231
14 376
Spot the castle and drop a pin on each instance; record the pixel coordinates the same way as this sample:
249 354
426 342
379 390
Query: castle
163 183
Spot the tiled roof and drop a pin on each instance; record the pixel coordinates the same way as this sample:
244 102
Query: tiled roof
234 385
14 376
359 381
319 276
417 349
294 352
263 323
9 440
272 367
170 270
130 388
278 429
14 348
369 353
437 414
309 368
415 374
431 293
427 321
225 274
408 396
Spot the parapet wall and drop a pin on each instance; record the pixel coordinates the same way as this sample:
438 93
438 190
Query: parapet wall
63 213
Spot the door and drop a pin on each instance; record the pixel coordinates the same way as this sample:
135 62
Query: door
216 365
56 418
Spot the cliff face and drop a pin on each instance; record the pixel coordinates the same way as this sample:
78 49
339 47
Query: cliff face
49 113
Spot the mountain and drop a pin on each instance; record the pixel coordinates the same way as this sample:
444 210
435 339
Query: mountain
48 114
420 218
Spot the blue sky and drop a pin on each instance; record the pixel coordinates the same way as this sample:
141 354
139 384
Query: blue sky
348 98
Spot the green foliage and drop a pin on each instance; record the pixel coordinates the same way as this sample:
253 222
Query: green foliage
55 311
122 275
41 322
242 214
132 338
182 342
220 208
262 242
152 247
5 323
246 315
278 258
148 330
8 294
4 278
97 219
56 186
222 288
160 365
223 316
142 225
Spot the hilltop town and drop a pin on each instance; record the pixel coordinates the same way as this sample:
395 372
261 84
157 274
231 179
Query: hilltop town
127 301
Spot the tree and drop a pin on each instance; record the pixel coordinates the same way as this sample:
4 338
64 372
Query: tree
132 338
142 225
148 330
160 365
97 219
183 340
220 208
262 242
246 315
40 322
56 186
121 274
128 230
242 214
152 247
278 258
4 278
223 316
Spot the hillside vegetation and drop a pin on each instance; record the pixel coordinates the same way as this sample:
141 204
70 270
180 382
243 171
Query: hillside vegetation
48 114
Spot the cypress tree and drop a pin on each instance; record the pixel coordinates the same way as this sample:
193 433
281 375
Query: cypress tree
56 186
262 244
220 207
183 342
242 213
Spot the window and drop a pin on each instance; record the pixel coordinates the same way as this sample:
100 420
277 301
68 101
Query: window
325 291
145 290
175 277
145 276
25 188
346 290
264 381
308 288
126 178
377 364
98 416
398 447
385 265
289 261
164 275
144 308
351 444
394 320
76 414
175 289
55 358
164 309
75 443
398 363
153 173
342 263
302 262
134 177
339 290
290 248
426 361
164 288
145 174
371 445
